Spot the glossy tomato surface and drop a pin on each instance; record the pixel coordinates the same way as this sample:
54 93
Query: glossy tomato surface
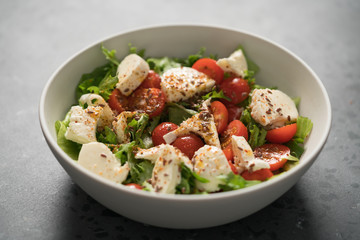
161 130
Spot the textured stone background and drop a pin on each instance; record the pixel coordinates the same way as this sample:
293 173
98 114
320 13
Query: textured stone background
39 201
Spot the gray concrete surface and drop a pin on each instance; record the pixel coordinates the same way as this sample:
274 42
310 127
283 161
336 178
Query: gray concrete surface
39 201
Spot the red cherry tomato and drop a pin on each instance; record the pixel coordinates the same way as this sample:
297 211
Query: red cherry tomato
237 89
236 128
188 144
210 68
234 112
118 102
220 114
228 153
274 154
282 134
134 186
149 100
160 131
233 168
152 80
261 174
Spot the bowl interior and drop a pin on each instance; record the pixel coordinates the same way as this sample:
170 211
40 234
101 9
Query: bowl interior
278 67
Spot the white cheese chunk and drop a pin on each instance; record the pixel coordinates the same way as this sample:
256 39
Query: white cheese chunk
236 63
98 158
131 73
272 108
210 162
180 84
244 157
166 173
120 125
82 126
202 124
107 115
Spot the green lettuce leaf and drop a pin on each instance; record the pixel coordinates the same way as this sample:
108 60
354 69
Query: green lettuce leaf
232 181
304 126
101 80
135 50
187 184
106 136
257 134
177 113
160 65
69 147
216 95
140 170
136 128
110 55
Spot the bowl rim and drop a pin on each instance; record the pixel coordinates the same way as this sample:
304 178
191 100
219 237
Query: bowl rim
178 197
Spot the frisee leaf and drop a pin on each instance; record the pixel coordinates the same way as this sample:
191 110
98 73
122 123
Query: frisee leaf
232 181
216 95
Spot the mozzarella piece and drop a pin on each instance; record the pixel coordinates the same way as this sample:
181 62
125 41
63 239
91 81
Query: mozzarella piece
131 73
82 126
98 158
272 108
120 125
244 157
210 162
166 173
180 84
96 100
236 63
202 124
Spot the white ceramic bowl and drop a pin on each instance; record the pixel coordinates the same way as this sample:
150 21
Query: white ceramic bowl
279 67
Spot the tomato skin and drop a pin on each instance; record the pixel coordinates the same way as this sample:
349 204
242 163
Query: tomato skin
261 174
134 186
152 80
118 102
234 112
237 89
236 128
274 154
282 134
160 131
220 114
210 68
228 153
188 144
233 168
149 100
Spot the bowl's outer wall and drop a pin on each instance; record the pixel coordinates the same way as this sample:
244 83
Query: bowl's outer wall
278 68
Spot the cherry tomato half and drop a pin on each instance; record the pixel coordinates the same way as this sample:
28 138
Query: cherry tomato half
282 134
233 168
236 128
274 154
149 100
220 114
237 89
210 68
188 144
118 102
260 175
161 130
228 153
234 112
152 80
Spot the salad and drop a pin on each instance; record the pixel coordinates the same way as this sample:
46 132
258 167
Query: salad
192 125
